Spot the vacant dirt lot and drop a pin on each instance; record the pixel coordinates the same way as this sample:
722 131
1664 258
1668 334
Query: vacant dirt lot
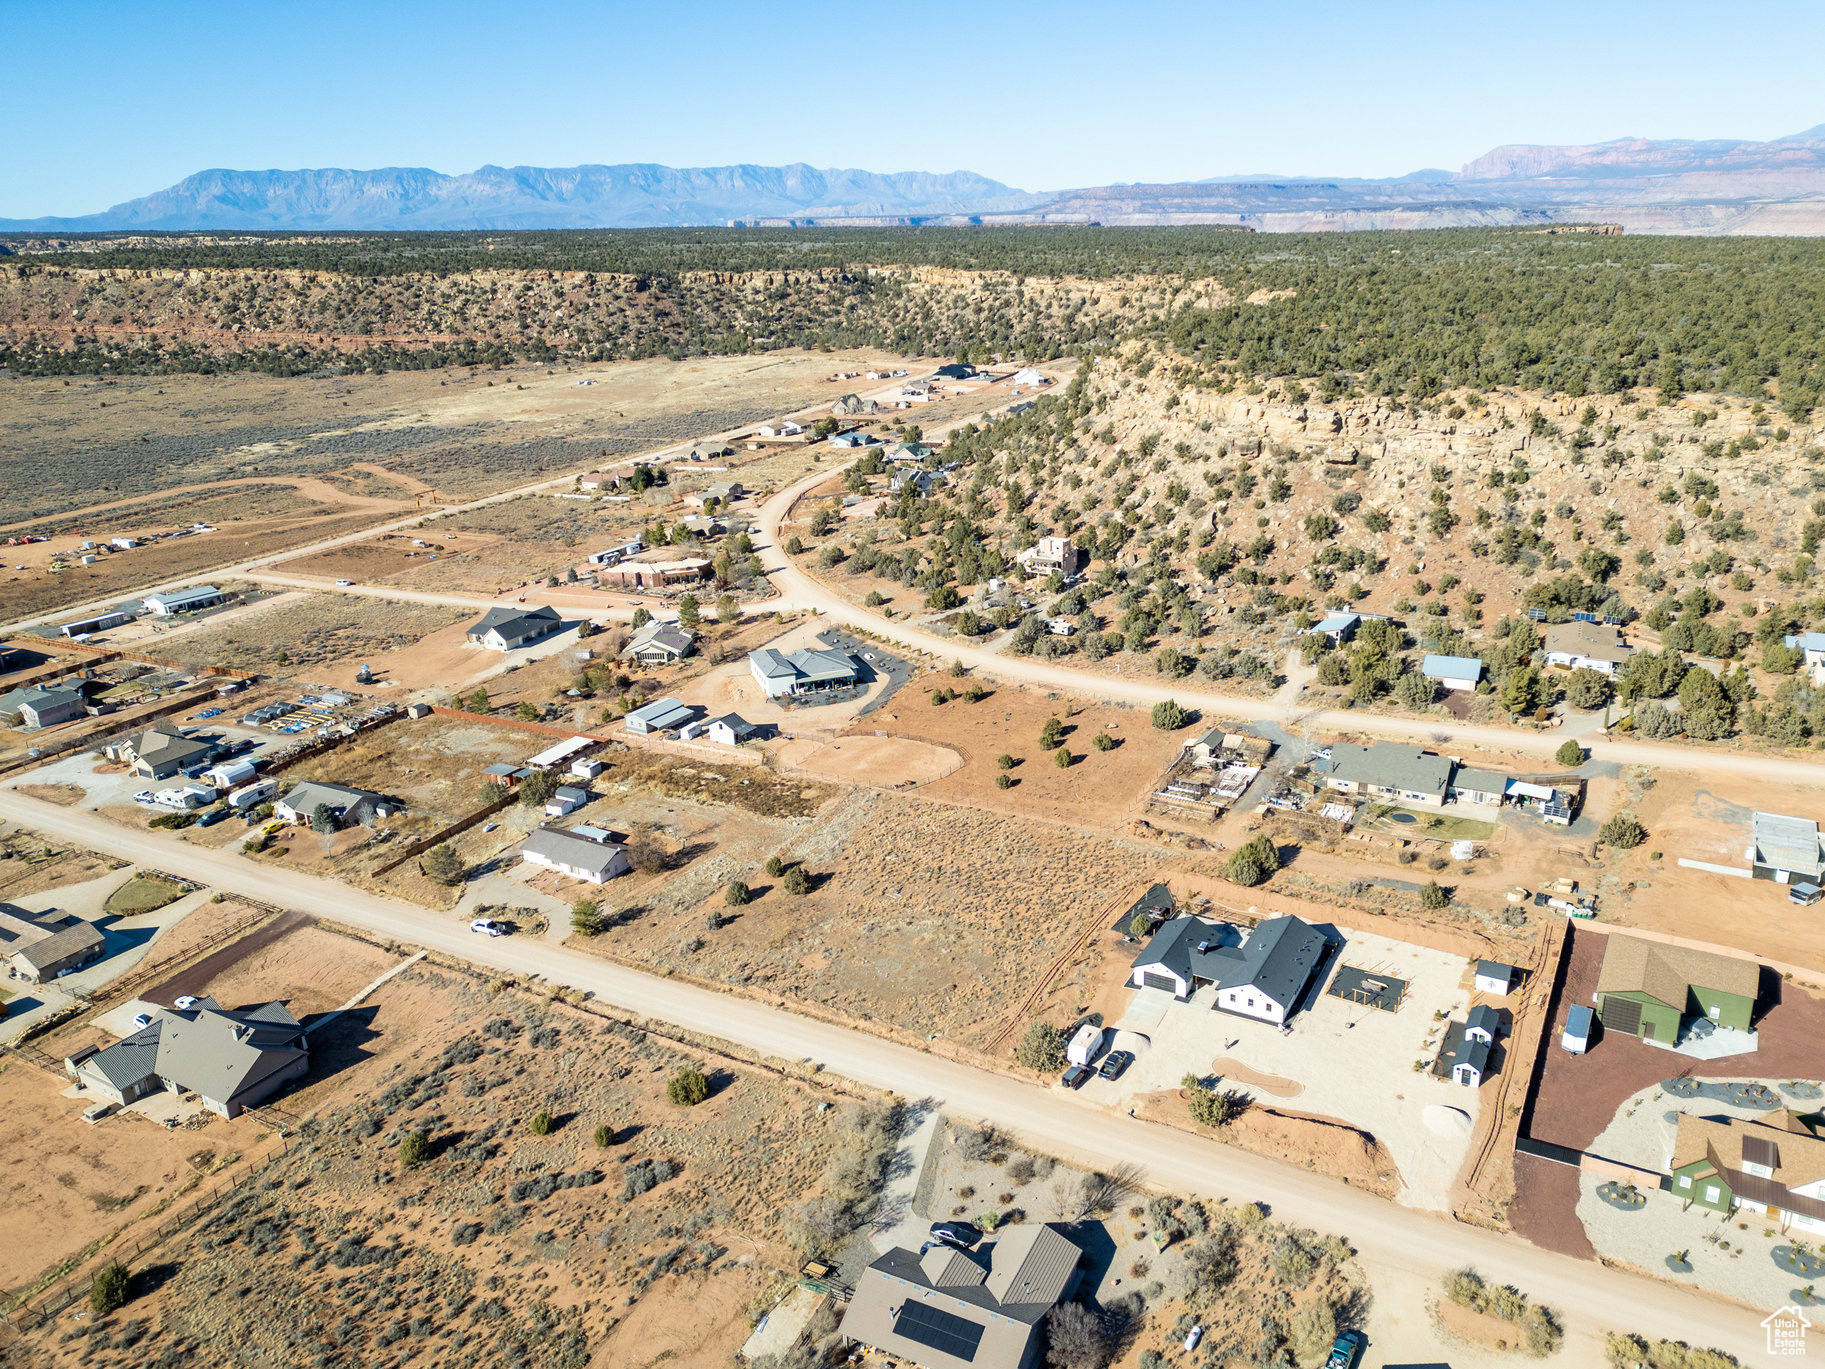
924 915
30 864
1100 789
311 631
1709 820
68 1184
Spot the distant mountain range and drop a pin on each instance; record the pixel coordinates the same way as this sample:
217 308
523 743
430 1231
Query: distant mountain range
1642 184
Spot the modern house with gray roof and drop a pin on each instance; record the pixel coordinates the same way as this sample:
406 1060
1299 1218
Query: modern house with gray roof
43 946
957 1309
230 1059
1261 974
802 672
1390 771
503 629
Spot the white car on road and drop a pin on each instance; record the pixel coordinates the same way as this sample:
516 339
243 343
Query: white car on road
487 926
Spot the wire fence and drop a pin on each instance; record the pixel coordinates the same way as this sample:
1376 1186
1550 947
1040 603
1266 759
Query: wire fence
28 1318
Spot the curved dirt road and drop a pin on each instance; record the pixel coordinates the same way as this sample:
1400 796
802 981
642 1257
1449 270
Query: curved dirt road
799 590
1397 1244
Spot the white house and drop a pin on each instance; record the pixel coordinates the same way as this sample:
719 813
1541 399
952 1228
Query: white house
183 600
594 859
802 672
586 769
730 729
1453 672
1586 646
1029 378
1261 975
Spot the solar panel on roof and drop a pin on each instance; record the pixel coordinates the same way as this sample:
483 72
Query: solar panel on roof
941 1330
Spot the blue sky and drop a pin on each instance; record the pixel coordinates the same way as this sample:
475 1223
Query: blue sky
109 101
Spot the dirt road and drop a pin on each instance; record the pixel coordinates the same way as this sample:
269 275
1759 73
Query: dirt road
1394 1242
799 590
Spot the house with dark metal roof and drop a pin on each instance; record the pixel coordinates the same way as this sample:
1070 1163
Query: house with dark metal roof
1261 974
504 628
945 1308
1278 961
1156 905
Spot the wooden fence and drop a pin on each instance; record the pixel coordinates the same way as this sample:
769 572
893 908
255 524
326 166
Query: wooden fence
542 729
424 844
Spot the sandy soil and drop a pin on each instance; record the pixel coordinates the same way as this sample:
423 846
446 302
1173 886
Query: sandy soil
442 1051
885 762
1101 789
1240 1073
312 969
1708 819
68 1184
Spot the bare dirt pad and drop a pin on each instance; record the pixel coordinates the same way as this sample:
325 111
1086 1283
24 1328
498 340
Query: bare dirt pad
312 630
1320 1144
922 916
504 1247
63 795
1234 1071
1100 789
886 762
312 969
68 1184
30 864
